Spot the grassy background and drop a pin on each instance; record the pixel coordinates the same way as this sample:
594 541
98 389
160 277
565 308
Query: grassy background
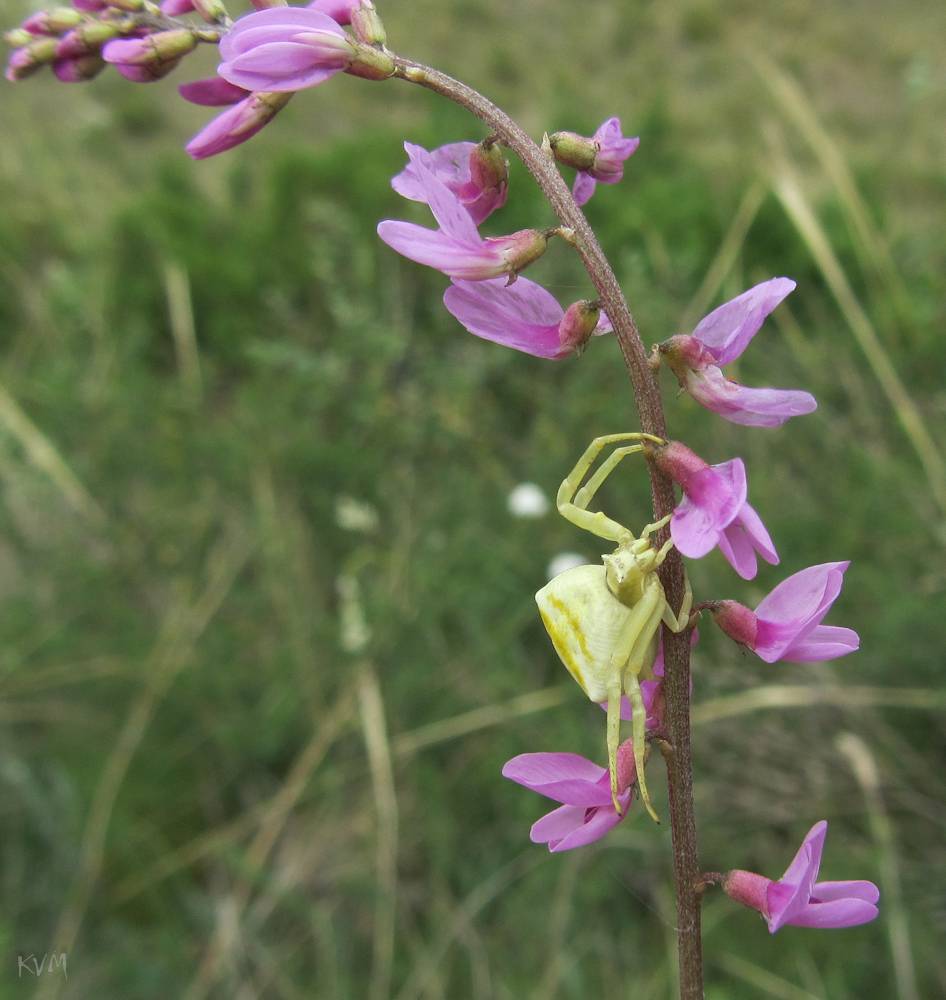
203 793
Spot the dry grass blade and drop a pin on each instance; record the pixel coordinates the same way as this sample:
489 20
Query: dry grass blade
43 454
556 928
789 193
424 970
382 780
865 770
481 718
726 255
806 696
273 821
177 289
873 250
184 624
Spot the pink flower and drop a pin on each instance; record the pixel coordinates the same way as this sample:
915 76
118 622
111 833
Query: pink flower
481 191
524 316
608 167
719 339
714 510
797 899
236 124
585 789
598 159
456 248
284 49
787 624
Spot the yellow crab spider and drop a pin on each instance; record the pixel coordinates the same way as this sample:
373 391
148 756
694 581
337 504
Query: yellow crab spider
604 619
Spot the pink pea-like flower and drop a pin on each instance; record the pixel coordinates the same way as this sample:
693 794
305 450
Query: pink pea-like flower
585 789
524 316
714 510
719 339
797 899
456 248
608 166
480 191
787 624
284 49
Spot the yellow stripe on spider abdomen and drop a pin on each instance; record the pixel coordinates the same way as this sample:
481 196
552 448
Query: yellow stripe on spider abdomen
584 620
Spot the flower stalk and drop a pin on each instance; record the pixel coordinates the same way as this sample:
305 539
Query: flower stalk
650 411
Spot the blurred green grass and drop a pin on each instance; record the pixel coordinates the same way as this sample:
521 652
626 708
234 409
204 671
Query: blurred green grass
193 767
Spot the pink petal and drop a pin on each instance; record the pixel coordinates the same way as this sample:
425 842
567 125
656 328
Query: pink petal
215 92
602 821
583 188
555 826
565 777
337 10
523 316
741 540
727 330
285 20
839 913
439 250
827 892
805 594
823 642
742 405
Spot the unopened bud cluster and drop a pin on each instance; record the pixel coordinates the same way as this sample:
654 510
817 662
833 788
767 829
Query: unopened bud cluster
143 40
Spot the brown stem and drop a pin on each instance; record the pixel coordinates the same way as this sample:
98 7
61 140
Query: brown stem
650 409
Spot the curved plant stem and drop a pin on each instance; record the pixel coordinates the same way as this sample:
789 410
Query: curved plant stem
650 409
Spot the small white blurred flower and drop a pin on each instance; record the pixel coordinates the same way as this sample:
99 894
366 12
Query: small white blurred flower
528 500
355 515
564 561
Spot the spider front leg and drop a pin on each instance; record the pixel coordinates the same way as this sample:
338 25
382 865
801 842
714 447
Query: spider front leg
573 498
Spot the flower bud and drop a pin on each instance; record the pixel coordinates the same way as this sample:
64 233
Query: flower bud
367 24
27 60
573 150
52 22
86 39
212 11
371 63
736 620
80 69
489 170
129 6
18 37
152 50
578 324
